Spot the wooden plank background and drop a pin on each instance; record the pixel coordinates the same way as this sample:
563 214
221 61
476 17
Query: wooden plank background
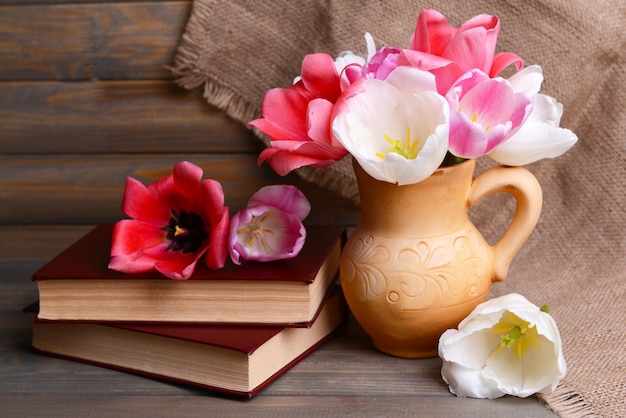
95 41
86 99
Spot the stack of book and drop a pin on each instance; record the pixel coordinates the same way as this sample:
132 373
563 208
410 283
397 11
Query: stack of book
233 330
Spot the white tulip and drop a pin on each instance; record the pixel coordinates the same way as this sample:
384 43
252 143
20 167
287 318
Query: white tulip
506 346
540 136
397 128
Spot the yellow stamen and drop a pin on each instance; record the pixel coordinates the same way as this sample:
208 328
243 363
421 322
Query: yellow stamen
256 231
407 148
178 231
475 118
515 333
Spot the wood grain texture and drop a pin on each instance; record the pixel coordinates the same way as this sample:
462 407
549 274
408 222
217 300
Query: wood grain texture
88 189
51 239
114 116
346 377
357 405
90 41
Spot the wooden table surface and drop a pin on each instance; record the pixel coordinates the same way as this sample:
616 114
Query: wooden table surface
346 377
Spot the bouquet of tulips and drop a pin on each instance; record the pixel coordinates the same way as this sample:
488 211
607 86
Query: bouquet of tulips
402 113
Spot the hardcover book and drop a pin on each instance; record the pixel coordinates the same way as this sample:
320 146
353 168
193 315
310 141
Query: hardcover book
236 360
78 285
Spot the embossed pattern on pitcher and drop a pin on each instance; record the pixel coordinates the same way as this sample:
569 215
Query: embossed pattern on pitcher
416 274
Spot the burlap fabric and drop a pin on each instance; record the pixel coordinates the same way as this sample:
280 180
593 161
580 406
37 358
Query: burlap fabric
575 260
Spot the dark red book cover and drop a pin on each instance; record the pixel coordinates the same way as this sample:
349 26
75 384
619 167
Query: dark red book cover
88 258
239 338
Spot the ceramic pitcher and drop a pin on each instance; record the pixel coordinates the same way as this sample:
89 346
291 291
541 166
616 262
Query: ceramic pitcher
415 265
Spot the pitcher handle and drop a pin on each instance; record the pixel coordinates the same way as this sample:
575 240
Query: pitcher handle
526 190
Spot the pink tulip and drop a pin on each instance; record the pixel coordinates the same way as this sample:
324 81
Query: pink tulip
382 63
270 228
448 52
297 118
484 113
175 221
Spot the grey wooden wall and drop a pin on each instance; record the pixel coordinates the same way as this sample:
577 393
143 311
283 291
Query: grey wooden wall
86 100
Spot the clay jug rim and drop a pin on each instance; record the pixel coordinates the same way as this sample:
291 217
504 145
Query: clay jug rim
468 165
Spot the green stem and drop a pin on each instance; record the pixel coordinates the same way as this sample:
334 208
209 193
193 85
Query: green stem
451 159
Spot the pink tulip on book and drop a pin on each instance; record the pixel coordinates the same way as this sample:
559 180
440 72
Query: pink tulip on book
270 228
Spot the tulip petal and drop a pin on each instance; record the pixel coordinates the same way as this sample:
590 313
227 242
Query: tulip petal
503 60
130 236
423 60
286 198
491 101
538 138
476 334
139 203
218 242
546 110
468 382
320 76
527 81
318 120
382 63
187 178
264 233
410 81
219 218
213 200
532 143
523 377
168 195
179 267
285 161
284 113
472 48
432 32
132 263
467 139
